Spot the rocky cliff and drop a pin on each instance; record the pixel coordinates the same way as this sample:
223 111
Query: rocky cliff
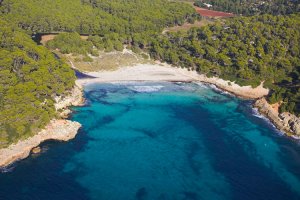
286 122
62 130
74 98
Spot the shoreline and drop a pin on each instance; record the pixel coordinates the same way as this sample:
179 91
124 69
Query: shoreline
287 123
57 129
65 130
165 72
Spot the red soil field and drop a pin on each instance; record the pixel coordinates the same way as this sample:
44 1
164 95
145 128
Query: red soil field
46 38
211 13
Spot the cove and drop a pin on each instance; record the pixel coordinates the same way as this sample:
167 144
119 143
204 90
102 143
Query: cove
161 140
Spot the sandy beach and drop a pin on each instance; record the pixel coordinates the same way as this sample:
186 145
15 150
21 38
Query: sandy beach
285 122
165 72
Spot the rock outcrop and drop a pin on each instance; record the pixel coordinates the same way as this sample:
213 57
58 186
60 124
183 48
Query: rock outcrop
61 130
74 98
286 122
36 150
291 121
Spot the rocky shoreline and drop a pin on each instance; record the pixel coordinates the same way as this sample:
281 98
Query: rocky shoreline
75 98
57 129
285 122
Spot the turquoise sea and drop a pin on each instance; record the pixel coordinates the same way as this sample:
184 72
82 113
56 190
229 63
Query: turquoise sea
161 141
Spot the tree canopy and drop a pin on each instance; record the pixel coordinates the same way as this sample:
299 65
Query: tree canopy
246 50
30 76
253 7
99 17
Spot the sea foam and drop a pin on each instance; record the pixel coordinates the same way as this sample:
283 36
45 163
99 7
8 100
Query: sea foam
146 88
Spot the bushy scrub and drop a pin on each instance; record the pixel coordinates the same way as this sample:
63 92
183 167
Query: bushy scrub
70 43
253 7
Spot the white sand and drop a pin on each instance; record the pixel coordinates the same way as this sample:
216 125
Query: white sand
164 72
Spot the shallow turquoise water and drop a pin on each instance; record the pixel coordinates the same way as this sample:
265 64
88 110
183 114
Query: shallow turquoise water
161 141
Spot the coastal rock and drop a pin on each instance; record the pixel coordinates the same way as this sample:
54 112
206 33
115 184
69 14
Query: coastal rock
62 130
57 129
36 150
290 120
285 122
65 113
74 98
241 91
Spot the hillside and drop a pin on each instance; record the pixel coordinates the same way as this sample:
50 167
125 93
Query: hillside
252 7
30 77
131 22
246 50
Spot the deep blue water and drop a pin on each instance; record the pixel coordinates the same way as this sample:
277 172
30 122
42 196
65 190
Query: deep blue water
161 141
80 75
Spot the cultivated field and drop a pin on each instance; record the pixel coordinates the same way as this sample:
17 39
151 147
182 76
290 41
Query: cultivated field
212 14
48 37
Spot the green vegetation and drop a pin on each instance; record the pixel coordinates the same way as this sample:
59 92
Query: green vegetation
70 43
73 43
247 50
253 7
30 76
130 22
